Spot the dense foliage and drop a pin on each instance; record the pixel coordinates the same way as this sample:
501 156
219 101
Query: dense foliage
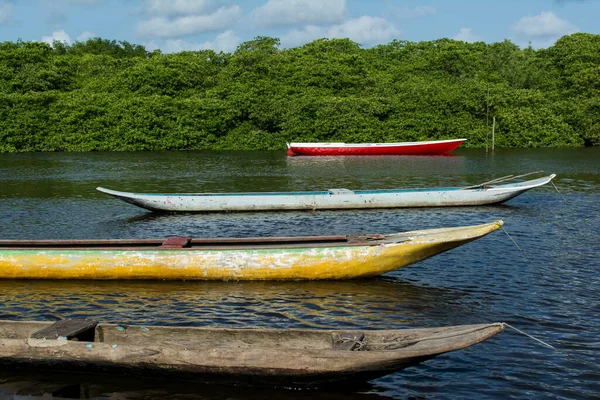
107 95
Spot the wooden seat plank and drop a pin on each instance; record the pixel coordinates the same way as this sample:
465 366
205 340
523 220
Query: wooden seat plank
67 328
176 243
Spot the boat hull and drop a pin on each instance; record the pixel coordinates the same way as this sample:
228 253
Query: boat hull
273 262
264 357
334 199
437 147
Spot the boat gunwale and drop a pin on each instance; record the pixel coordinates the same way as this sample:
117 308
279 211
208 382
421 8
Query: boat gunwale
157 334
255 243
198 241
259 329
206 243
56 247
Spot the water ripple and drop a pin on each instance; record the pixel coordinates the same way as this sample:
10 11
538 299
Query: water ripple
546 287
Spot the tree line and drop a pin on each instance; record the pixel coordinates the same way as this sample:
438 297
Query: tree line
103 95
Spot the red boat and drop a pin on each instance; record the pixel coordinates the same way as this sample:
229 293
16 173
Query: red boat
431 148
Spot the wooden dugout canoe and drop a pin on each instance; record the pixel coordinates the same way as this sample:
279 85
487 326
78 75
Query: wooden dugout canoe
291 258
333 199
262 357
423 148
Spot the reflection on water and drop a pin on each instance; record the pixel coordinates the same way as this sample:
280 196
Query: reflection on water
355 172
76 175
548 286
79 386
322 304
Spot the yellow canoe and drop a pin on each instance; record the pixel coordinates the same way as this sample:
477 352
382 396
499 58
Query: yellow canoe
287 258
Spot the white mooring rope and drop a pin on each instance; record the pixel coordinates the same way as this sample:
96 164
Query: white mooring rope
565 353
530 336
568 355
559 192
524 254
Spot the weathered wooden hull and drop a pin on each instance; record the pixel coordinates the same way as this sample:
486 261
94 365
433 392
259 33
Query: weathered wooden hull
231 259
271 357
334 199
435 147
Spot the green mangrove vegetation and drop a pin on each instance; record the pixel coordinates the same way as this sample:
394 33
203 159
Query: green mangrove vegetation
103 95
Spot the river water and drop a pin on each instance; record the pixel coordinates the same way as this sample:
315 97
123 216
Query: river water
540 274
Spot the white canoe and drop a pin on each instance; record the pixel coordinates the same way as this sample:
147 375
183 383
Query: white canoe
332 199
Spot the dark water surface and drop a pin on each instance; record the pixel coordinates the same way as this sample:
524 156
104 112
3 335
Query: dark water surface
548 288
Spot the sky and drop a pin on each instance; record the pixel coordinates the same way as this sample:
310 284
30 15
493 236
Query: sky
221 25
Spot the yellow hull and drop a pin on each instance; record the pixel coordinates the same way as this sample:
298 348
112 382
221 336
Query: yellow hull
341 262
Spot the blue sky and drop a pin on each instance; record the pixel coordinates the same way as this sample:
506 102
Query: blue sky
221 25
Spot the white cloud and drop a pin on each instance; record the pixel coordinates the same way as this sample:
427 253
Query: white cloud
413 12
151 45
85 2
85 36
298 12
226 42
363 30
562 2
423 11
297 37
60 36
177 7
466 35
191 24
544 25
4 12
178 45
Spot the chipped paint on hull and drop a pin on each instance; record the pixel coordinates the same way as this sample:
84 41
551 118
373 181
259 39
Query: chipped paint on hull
330 200
342 262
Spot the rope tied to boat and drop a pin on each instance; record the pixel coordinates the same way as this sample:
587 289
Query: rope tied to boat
559 192
545 344
499 180
530 336
524 254
568 355
357 344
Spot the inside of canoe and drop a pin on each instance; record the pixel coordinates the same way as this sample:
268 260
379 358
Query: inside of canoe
185 243
443 338
188 337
